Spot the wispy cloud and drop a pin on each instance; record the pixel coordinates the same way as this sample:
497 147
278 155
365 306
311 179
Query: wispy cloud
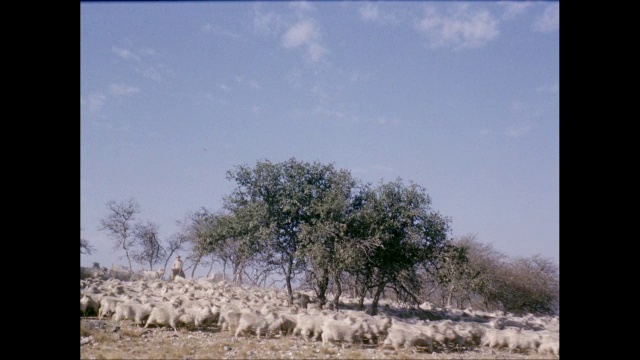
371 12
267 24
513 9
549 21
125 53
96 102
144 63
517 132
253 84
224 87
305 33
320 110
123 90
548 89
302 5
462 27
219 31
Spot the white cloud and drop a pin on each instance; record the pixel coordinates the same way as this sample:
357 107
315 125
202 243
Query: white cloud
303 32
266 24
320 110
518 132
96 102
549 89
372 12
316 51
219 31
302 5
514 9
517 105
122 89
125 54
254 85
461 28
550 20
369 12
224 87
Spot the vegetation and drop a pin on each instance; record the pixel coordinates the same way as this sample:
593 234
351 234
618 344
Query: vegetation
333 233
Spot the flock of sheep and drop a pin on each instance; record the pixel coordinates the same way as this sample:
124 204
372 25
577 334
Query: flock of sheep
244 311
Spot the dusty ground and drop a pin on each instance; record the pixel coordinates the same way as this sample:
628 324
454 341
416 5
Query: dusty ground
100 339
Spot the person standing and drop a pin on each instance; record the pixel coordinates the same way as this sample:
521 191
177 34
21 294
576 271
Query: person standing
177 268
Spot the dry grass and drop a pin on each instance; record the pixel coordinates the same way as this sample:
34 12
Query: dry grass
131 342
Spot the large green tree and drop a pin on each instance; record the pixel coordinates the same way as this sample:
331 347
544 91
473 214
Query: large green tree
291 207
399 219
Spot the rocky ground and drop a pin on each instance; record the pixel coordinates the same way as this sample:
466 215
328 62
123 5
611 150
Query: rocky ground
102 339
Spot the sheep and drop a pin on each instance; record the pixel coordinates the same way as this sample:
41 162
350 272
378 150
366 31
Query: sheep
340 331
88 305
157 274
499 338
229 320
549 344
196 315
258 324
302 300
289 323
309 326
108 305
166 313
132 311
398 337
524 341
377 328
470 332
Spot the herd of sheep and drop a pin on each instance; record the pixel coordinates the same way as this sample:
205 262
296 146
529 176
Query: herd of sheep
245 311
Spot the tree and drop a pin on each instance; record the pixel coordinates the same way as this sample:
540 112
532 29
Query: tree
119 224
529 285
150 250
274 202
85 247
408 233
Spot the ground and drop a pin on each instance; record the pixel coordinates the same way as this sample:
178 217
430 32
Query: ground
102 339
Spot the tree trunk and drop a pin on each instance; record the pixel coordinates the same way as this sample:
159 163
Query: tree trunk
321 289
195 265
287 278
450 295
362 293
336 296
129 259
376 299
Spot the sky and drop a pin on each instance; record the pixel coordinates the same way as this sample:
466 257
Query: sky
461 98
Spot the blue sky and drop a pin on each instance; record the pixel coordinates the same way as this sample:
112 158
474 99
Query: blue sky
459 97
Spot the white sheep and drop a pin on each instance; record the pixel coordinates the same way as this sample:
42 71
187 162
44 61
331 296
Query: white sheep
166 313
88 305
309 326
398 337
108 305
153 275
339 331
229 320
258 324
549 345
132 311
196 315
